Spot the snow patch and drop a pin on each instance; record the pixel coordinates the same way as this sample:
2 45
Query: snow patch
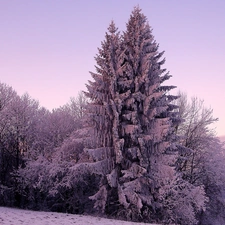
11 216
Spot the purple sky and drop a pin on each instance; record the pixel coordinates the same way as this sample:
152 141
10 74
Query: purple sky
47 47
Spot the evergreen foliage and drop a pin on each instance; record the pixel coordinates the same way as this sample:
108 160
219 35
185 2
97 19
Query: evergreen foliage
133 117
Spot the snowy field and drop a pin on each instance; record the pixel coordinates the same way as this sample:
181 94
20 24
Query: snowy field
9 216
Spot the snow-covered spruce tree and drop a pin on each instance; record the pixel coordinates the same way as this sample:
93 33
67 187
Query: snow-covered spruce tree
103 89
133 117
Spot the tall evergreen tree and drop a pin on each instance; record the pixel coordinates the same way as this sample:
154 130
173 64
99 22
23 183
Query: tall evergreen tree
134 121
101 91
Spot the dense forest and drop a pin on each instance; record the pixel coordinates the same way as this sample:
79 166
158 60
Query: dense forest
125 148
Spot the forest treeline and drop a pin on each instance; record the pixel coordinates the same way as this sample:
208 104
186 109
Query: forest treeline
125 148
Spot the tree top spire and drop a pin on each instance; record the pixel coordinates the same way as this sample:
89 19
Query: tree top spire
112 27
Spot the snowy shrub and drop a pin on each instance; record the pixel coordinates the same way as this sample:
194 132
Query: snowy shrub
182 201
74 145
43 185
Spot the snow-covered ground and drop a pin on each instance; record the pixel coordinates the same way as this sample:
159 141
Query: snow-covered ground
9 216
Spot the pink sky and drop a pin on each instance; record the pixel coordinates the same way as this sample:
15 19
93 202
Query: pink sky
47 47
